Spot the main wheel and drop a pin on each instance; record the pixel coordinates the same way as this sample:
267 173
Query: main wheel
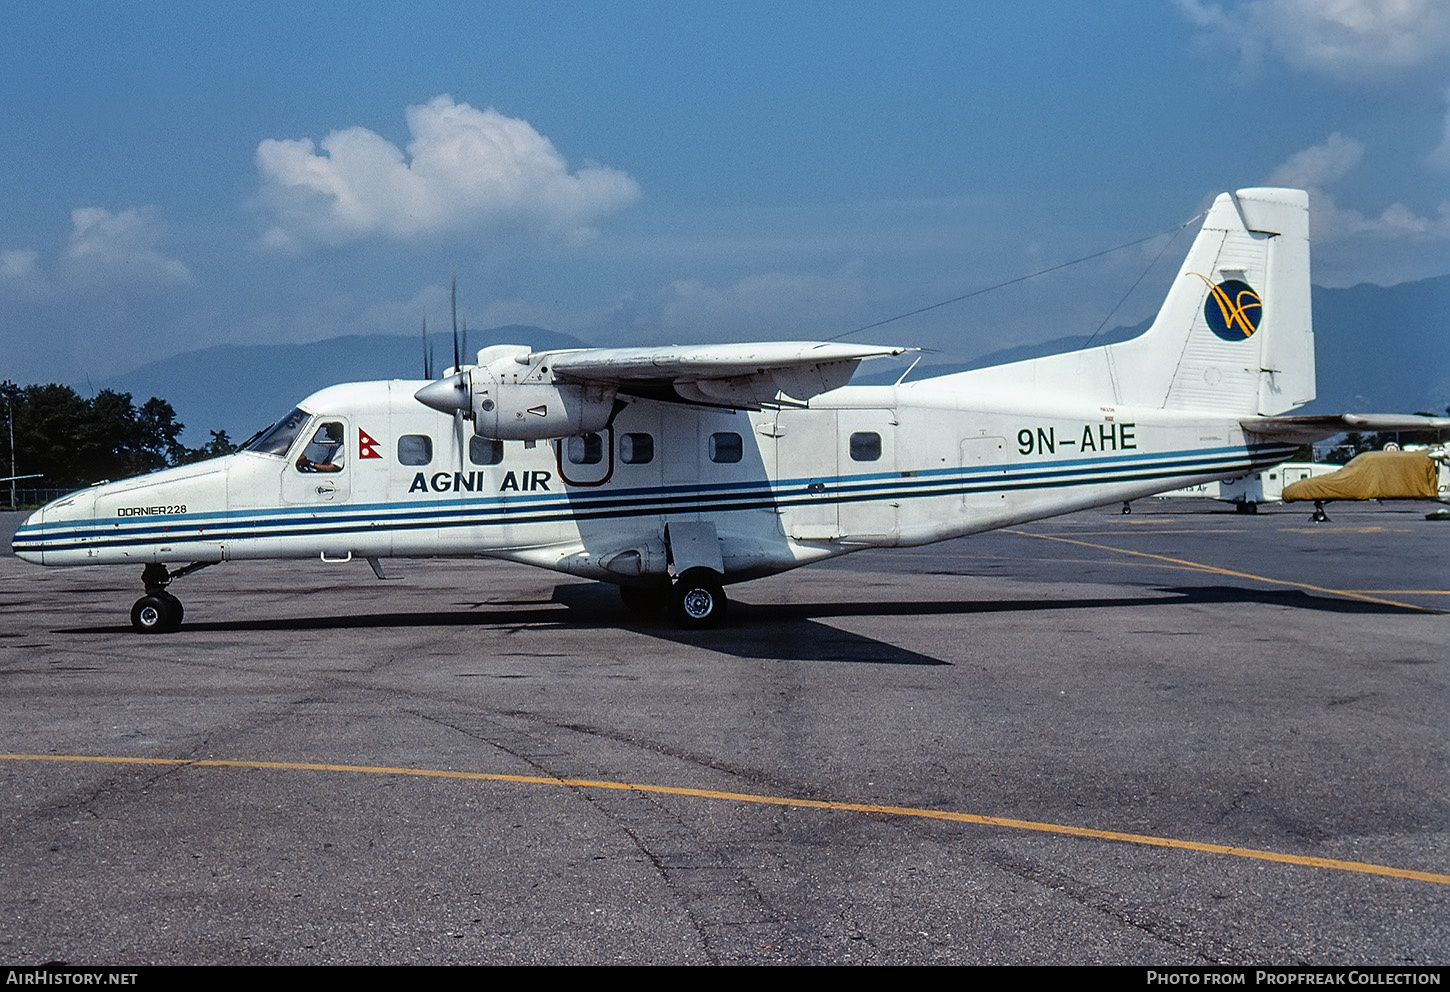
697 599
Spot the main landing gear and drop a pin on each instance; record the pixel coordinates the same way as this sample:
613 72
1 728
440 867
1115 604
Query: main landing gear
159 612
695 600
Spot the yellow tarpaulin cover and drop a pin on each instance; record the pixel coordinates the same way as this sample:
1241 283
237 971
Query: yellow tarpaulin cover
1372 475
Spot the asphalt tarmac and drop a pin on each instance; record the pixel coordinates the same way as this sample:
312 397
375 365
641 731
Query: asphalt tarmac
1183 736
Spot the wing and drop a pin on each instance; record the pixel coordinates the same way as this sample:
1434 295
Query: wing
733 375
1302 430
517 394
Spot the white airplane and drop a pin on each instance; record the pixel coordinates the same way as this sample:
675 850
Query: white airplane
674 471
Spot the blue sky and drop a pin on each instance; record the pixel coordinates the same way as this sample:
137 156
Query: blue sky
177 176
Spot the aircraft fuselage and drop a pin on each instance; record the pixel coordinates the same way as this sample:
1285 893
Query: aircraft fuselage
869 466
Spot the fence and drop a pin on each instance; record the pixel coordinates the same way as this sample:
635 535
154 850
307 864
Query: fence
28 498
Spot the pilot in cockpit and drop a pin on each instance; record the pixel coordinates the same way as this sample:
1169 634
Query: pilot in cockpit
325 452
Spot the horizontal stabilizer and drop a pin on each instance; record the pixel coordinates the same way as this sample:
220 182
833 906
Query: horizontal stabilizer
1302 430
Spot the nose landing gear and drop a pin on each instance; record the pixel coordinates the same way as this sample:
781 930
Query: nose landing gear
159 612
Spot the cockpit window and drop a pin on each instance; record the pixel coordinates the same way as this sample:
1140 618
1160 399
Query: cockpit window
279 437
324 453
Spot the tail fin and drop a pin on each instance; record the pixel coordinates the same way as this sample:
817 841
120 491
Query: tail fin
1233 336
1235 333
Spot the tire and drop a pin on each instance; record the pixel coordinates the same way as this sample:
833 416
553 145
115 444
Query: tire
697 600
151 615
158 613
174 611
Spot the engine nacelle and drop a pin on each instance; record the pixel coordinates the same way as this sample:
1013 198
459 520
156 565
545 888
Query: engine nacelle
511 396
526 411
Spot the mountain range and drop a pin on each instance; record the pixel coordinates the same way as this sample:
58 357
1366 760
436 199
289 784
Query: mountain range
1379 349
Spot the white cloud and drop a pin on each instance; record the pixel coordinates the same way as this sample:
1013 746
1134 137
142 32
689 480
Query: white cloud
19 263
1332 222
464 169
1320 166
120 247
1348 38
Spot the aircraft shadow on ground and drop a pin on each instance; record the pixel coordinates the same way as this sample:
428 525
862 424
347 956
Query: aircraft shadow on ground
776 631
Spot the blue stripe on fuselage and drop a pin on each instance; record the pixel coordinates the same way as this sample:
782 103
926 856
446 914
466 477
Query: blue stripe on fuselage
222 526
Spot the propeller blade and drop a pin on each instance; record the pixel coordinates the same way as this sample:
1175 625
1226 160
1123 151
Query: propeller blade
427 365
453 295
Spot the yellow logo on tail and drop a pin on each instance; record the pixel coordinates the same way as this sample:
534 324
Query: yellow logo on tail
1233 308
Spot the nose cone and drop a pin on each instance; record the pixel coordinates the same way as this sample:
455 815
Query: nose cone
450 395
27 542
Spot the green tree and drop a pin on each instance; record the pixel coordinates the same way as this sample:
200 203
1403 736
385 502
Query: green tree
219 445
73 442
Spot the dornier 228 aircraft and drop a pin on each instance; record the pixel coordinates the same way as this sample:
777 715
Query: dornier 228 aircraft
674 471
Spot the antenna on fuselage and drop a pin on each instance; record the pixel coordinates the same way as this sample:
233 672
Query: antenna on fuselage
427 351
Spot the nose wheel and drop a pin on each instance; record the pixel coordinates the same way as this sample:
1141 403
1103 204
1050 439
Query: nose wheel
157 613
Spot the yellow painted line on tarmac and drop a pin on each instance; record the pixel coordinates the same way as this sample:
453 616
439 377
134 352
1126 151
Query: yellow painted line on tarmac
1405 592
1402 592
1216 570
1008 823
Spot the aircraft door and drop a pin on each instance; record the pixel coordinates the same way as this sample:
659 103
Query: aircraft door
867 476
585 460
318 472
806 474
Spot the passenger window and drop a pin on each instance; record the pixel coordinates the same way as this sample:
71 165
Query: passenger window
865 446
586 449
485 450
637 449
325 452
415 449
726 447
